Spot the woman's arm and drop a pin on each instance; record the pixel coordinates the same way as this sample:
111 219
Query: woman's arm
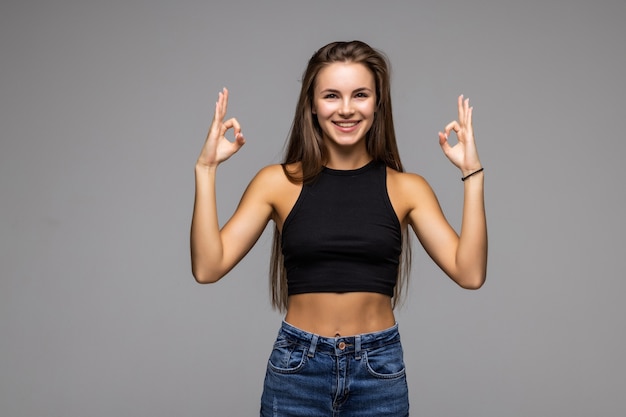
463 257
214 252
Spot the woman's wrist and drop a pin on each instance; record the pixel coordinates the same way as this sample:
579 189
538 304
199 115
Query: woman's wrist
201 167
472 173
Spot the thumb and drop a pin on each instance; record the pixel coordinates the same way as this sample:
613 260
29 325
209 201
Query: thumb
443 142
239 139
237 143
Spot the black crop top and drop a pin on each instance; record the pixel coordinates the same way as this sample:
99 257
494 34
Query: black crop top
343 235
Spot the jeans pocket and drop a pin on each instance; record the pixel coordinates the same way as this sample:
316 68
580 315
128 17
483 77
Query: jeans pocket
287 357
386 362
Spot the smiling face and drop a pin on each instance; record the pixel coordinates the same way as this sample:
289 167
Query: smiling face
344 102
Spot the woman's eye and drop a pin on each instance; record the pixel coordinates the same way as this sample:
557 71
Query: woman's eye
330 95
361 95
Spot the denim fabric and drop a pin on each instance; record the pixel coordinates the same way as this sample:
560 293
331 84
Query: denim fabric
313 376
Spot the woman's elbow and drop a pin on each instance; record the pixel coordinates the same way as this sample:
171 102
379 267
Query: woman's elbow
472 282
474 285
204 276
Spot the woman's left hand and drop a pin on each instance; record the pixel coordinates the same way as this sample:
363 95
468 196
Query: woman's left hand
464 154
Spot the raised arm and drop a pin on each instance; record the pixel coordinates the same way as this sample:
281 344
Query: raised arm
462 256
214 252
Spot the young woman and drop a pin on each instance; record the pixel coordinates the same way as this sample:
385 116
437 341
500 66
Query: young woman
342 206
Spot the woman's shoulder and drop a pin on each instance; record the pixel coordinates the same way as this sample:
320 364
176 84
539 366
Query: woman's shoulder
274 183
276 188
277 173
408 191
406 180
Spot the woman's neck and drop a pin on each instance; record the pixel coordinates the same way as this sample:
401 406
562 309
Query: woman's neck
347 160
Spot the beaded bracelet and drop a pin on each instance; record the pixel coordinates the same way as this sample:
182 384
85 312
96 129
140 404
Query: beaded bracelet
470 174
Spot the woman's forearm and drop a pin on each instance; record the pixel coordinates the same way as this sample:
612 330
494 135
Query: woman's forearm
471 256
206 244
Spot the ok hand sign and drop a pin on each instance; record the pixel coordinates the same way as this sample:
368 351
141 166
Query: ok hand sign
464 154
217 148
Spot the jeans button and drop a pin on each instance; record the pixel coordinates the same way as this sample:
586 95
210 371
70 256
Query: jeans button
341 345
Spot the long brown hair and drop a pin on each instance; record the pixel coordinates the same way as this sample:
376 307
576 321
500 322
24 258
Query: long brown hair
305 145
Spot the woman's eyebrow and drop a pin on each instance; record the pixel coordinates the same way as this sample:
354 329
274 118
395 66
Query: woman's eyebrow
334 90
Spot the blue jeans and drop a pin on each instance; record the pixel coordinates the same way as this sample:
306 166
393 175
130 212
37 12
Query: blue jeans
313 376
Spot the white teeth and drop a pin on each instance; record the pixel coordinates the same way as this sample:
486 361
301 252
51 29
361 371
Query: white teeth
340 124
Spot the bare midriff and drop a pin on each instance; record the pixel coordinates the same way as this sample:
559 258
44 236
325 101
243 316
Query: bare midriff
343 314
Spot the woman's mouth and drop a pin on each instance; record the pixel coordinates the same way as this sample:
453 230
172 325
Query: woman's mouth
346 126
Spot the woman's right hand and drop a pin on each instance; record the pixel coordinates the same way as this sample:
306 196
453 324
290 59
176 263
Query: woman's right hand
217 148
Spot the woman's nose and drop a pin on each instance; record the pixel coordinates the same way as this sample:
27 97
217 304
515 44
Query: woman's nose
346 108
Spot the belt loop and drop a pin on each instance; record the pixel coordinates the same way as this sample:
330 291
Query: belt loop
357 347
313 345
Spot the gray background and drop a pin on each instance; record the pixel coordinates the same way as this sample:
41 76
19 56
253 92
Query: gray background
104 107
